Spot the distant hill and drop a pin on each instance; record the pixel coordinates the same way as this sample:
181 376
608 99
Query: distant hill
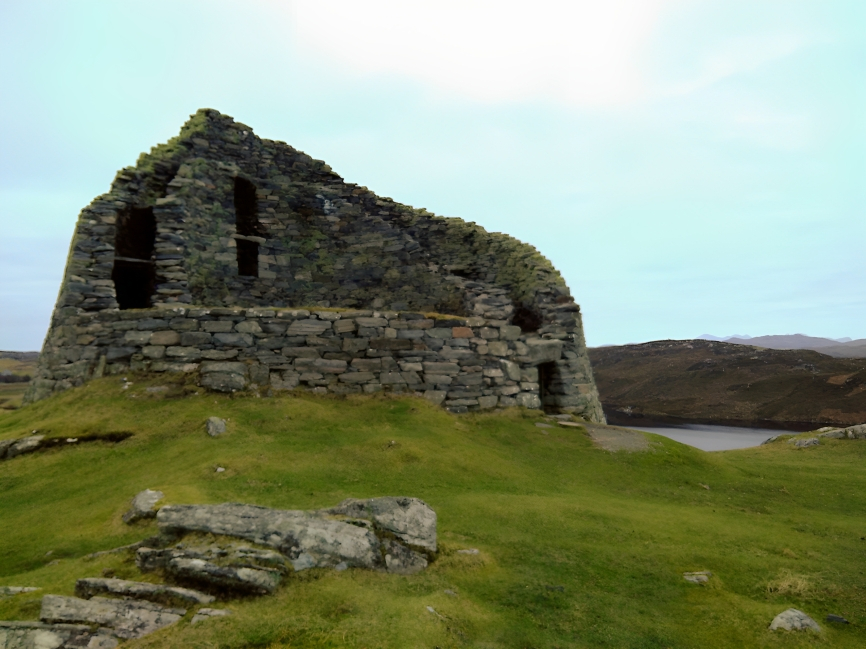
720 382
841 348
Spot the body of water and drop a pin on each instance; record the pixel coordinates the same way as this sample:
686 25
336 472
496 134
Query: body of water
714 438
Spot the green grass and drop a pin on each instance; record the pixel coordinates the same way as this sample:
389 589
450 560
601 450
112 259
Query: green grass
578 547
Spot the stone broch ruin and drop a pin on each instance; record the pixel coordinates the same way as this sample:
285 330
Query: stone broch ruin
254 265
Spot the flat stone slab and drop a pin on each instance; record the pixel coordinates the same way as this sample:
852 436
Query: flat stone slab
39 635
159 593
614 438
126 618
794 620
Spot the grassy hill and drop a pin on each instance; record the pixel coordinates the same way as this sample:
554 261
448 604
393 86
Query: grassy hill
15 366
717 382
578 547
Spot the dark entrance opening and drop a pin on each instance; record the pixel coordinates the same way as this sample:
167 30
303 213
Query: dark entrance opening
546 372
247 225
133 271
528 320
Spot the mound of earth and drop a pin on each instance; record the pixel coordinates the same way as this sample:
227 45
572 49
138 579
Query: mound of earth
700 381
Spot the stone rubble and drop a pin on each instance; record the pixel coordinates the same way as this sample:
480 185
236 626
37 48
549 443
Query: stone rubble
158 593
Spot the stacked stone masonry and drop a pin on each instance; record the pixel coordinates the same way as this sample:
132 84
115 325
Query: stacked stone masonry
207 255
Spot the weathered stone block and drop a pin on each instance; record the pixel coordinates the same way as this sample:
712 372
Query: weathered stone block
183 353
217 326
233 340
390 344
528 400
166 338
441 368
308 327
356 377
442 333
248 327
326 366
137 337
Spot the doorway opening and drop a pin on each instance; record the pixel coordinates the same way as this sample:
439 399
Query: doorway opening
546 373
133 272
247 225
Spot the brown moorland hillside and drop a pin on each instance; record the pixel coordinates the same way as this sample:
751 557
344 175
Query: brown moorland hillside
699 381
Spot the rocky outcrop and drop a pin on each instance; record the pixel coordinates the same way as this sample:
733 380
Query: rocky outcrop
229 549
348 533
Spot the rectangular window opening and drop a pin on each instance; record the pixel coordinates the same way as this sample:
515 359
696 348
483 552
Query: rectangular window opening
133 272
247 225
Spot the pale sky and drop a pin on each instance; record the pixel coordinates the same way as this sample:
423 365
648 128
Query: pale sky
690 166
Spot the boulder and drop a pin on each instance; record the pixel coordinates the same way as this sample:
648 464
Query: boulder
142 505
215 426
803 443
4 446
409 519
793 620
307 540
39 635
87 588
126 618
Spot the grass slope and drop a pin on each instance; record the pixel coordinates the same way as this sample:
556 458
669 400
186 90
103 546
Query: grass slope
713 382
578 547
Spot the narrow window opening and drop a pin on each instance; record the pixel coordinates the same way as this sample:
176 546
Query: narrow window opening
528 320
546 372
133 271
247 225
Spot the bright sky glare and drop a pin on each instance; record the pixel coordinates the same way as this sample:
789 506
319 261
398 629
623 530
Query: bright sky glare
690 166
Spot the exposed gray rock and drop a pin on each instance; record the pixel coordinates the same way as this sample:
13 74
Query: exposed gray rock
224 567
215 426
837 433
793 620
207 613
410 519
127 618
87 588
24 445
17 590
700 577
306 539
6 443
856 432
836 618
401 560
39 635
142 505
249 580
803 443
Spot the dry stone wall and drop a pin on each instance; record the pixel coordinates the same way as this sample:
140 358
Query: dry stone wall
218 218
464 363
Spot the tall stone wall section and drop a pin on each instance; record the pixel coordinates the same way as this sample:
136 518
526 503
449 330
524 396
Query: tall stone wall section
322 243
464 363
